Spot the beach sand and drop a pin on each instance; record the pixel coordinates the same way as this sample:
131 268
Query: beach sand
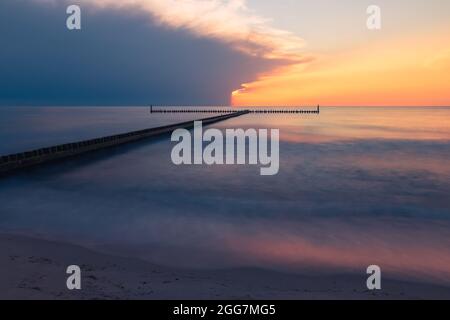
36 269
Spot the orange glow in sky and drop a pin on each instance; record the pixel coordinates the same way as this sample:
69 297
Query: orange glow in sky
333 59
394 72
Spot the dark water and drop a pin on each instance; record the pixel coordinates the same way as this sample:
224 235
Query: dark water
356 187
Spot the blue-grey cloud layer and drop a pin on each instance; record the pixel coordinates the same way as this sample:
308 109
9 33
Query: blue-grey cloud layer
118 58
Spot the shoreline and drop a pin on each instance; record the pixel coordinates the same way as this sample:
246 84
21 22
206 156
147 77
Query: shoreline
36 269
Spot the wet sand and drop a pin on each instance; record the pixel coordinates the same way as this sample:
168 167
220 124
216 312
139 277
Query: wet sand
36 269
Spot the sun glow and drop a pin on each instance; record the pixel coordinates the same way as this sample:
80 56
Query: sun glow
400 73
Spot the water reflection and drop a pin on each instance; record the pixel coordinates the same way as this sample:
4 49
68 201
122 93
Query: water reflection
354 188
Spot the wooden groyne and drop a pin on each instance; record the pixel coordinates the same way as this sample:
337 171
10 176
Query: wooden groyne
15 162
255 110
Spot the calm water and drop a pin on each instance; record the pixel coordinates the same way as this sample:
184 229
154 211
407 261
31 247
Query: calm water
356 187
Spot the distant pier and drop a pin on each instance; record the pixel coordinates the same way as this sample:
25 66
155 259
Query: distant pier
225 110
18 161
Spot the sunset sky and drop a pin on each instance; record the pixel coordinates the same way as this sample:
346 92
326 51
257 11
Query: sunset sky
407 62
244 52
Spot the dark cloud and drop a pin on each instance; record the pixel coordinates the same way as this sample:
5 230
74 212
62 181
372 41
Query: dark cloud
118 58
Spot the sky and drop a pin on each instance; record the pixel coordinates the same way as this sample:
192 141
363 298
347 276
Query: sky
406 62
217 52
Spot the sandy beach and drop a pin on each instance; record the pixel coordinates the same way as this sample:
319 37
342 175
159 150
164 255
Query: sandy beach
35 269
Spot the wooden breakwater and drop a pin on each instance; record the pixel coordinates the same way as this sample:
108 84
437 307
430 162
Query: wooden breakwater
15 162
254 110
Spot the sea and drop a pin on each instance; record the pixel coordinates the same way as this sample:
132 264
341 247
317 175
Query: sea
356 186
